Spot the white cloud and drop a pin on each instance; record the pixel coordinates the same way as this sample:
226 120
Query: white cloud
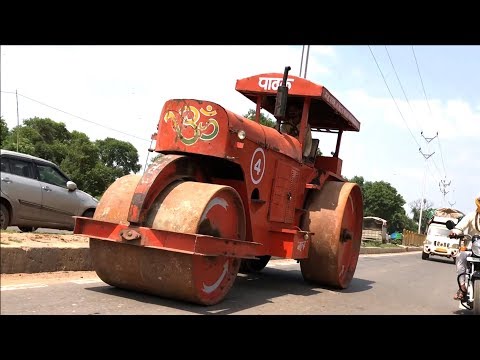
385 150
451 119
118 85
317 56
358 73
322 50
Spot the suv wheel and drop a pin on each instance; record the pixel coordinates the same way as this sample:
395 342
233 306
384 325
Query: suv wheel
4 217
27 228
89 213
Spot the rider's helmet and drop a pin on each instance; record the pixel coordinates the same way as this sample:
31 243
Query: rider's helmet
477 202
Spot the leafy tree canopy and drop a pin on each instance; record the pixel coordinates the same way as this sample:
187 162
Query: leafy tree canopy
3 131
119 154
427 212
264 119
382 200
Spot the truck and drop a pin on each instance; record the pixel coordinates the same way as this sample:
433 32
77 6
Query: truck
437 242
374 229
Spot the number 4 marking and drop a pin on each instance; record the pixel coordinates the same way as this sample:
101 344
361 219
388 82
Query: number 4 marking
258 166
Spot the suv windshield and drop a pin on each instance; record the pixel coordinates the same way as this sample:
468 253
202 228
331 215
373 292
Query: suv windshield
438 231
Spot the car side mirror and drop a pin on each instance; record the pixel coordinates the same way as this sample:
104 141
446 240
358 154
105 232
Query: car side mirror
450 224
71 186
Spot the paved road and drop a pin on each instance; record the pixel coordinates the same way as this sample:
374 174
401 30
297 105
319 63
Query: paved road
391 284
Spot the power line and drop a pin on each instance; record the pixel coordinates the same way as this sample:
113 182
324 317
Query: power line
437 178
454 202
434 176
408 102
441 156
436 167
426 156
148 154
79 117
18 117
381 73
428 103
428 140
379 69
421 80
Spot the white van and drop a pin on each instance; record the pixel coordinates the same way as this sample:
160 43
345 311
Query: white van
437 242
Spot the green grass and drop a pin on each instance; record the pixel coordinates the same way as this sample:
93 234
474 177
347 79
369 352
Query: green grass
388 245
369 243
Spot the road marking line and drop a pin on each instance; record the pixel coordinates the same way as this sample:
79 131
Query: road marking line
278 263
86 281
21 287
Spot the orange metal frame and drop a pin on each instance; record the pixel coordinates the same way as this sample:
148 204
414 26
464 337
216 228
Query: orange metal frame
194 244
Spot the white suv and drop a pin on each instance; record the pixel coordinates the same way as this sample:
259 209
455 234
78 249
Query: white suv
437 242
36 193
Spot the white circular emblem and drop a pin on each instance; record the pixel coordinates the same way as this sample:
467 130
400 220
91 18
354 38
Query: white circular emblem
257 165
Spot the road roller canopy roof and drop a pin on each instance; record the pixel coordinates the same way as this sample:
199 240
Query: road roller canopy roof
326 112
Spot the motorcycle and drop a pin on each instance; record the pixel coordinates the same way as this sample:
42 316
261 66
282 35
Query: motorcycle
472 274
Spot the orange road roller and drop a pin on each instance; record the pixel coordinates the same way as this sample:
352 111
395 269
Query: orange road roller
228 193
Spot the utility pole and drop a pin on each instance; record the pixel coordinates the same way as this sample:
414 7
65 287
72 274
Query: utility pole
301 61
18 119
452 203
306 60
423 189
423 200
443 184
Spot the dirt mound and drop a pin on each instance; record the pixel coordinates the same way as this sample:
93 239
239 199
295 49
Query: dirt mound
18 239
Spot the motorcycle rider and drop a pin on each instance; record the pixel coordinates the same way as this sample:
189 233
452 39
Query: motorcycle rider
471 225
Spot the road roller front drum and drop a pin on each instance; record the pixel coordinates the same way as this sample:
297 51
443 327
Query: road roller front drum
185 207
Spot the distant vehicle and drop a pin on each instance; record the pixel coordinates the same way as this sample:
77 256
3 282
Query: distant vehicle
374 229
437 242
37 193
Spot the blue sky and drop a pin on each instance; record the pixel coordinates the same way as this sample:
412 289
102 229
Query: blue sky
124 88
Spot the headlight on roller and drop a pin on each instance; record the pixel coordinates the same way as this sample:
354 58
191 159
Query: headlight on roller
241 134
